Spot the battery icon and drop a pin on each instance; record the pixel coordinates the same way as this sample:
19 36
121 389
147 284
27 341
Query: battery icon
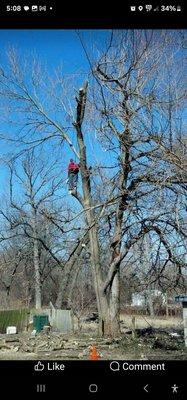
178 8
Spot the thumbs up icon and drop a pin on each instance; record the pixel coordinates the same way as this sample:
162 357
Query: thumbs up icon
39 366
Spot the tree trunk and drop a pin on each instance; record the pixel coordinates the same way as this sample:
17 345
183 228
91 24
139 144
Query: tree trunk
107 301
59 299
115 305
71 288
102 303
150 302
150 305
166 303
36 261
38 299
110 310
113 287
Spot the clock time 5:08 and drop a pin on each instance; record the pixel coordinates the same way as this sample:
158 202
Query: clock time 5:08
13 8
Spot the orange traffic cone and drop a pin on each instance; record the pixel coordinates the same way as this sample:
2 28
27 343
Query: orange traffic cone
94 354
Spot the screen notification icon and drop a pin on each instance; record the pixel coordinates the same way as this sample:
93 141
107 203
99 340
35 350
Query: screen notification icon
34 8
26 8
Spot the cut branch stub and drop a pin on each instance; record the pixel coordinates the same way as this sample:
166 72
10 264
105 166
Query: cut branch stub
81 103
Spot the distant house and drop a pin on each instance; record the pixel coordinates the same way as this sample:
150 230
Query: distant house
138 300
141 299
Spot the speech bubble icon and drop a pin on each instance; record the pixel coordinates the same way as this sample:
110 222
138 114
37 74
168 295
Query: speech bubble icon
26 8
115 366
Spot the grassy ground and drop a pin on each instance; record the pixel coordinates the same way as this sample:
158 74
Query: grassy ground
156 322
156 343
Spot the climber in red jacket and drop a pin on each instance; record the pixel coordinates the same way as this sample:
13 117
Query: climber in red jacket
73 170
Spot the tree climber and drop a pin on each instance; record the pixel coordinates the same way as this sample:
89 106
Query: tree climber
73 170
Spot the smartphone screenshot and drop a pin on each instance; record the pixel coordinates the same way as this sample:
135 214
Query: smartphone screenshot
93 210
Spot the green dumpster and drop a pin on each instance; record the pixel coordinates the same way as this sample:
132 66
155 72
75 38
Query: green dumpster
39 321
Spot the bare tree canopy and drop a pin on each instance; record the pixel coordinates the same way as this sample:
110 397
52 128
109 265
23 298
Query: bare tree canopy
126 128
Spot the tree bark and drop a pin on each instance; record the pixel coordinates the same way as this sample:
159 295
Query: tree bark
36 261
166 303
112 314
115 304
150 305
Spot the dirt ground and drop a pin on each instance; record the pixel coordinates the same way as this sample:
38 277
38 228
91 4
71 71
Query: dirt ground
152 339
